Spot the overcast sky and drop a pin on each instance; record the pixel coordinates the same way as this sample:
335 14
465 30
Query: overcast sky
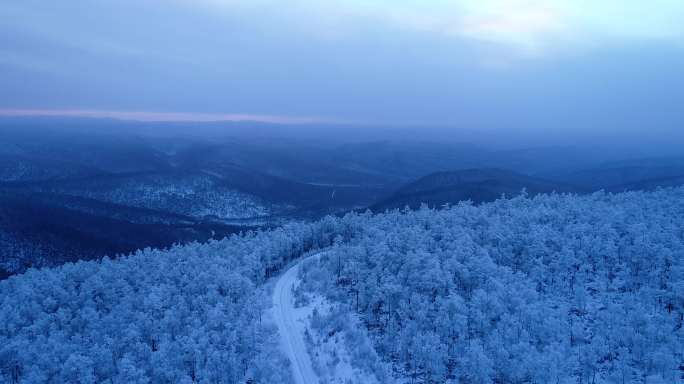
555 65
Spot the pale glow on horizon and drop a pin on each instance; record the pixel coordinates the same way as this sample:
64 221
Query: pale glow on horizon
161 116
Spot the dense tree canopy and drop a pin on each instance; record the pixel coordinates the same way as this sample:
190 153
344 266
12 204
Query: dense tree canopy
188 314
550 289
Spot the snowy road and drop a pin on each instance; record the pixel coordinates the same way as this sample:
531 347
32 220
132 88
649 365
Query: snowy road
291 327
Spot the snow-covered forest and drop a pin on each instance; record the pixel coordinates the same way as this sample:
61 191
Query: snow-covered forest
194 195
189 314
550 289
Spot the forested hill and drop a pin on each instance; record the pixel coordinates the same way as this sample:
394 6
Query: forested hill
550 289
477 185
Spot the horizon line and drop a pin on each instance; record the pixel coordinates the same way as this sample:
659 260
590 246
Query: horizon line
153 116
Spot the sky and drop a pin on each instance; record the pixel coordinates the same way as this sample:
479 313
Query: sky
549 67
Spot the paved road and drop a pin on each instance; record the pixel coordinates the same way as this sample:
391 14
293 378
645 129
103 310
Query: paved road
291 328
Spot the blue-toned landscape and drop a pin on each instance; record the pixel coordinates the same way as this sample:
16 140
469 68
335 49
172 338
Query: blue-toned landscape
342 192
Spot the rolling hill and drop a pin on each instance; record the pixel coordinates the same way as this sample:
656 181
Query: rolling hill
38 230
627 175
477 185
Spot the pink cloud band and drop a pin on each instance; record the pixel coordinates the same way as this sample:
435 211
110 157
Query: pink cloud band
160 116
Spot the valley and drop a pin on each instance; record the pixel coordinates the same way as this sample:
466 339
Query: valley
341 192
149 188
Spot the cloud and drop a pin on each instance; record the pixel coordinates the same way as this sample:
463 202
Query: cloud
528 26
430 61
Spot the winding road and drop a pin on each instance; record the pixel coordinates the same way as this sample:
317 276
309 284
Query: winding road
291 328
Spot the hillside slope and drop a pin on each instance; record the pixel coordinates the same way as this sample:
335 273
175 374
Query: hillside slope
550 289
45 230
555 288
618 176
476 185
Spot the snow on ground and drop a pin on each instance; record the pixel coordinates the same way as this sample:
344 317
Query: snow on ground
315 356
292 323
332 359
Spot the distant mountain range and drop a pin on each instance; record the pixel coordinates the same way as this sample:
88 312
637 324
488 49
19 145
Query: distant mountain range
628 175
75 189
488 184
476 185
